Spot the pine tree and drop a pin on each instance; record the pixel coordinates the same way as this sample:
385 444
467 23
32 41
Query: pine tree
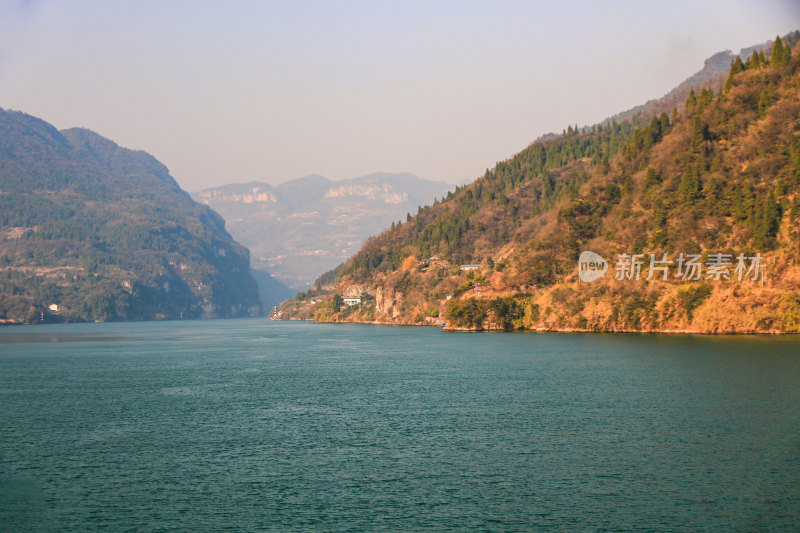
605 165
736 68
795 213
772 215
690 186
337 303
707 95
665 122
766 99
699 133
652 178
659 237
777 52
753 62
711 192
767 222
742 203
627 185
692 100
547 187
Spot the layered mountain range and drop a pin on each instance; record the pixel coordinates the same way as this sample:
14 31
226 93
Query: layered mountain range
306 226
684 216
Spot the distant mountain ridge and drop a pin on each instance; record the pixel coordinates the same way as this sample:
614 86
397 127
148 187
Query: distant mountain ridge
305 226
379 186
90 231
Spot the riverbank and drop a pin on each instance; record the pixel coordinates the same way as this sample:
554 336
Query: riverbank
493 328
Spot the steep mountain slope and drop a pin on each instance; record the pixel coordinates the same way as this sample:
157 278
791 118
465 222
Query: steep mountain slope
303 227
100 232
693 221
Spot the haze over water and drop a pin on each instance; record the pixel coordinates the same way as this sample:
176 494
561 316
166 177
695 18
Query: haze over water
252 425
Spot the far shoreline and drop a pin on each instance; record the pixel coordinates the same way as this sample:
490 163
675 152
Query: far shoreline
552 330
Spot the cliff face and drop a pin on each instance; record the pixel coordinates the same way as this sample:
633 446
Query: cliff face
92 231
692 219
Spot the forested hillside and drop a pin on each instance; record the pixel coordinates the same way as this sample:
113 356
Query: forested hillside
92 231
702 200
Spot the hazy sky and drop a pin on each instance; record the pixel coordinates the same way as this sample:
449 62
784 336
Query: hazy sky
225 92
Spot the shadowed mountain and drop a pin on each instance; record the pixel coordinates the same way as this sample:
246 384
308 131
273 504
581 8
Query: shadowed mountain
270 290
93 231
